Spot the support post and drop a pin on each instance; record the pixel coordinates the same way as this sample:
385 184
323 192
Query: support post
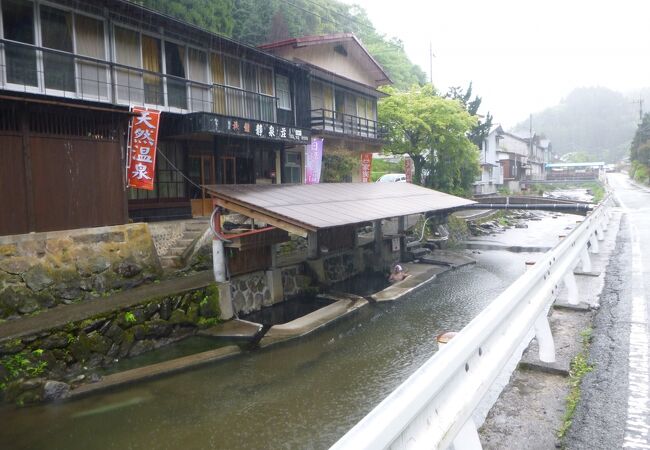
545 339
572 288
467 438
595 249
312 245
379 240
585 260
599 233
401 227
218 261
605 221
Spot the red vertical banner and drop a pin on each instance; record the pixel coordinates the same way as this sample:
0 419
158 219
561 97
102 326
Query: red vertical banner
142 144
366 167
408 169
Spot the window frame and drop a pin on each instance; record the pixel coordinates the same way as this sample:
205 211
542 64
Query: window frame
278 92
39 33
107 58
38 89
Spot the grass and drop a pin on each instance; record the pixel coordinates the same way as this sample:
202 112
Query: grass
579 368
596 188
381 167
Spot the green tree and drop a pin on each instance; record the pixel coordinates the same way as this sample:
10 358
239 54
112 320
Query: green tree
433 131
212 15
482 128
259 21
577 157
641 142
338 168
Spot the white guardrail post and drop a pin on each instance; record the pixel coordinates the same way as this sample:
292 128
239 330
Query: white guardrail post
433 408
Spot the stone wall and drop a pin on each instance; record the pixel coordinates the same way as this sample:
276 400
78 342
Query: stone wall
294 281
41 270
339 267
254 291
250 292
47 365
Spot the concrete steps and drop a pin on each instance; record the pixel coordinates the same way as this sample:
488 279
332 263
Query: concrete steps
192 230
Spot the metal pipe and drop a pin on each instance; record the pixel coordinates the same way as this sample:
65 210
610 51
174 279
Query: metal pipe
564 207
219 267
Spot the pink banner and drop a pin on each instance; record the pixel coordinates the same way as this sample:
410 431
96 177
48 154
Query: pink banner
313 161
366 167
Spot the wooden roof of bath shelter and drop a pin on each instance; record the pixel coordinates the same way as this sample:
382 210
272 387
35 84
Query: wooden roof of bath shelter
301 208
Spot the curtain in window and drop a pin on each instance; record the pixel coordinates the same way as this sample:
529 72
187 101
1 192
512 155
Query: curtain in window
153 84
234 97
317 95
93 78
328 100
252 104
175 65
361 113
56 33
130 88
198 71
266 87
218 91
18 25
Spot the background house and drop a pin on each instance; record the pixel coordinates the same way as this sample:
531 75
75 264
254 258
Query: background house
538 154
491 175
344 78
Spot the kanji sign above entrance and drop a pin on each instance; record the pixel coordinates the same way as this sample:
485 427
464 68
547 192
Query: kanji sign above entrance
142 148
214 123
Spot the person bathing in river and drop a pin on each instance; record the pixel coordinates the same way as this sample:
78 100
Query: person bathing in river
397 274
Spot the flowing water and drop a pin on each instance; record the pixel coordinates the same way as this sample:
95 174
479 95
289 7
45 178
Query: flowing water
300 395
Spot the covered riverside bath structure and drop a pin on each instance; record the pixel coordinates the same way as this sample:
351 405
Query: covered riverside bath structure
330 216
305 208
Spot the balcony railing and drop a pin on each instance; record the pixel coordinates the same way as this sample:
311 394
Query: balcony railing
32 69
341 123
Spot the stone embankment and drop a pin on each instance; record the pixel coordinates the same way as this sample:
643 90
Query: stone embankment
45 365
39 271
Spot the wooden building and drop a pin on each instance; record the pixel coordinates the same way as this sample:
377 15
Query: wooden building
344 79
69 73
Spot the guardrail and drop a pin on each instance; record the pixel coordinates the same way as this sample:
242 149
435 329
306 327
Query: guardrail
433 407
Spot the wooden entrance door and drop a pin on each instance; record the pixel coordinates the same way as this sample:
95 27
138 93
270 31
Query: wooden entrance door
202 172
228 170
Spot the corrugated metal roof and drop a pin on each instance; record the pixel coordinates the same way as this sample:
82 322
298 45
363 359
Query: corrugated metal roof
316 206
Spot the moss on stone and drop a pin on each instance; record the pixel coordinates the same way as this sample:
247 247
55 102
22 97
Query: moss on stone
209 305
11 346
8 250
179 317
193 313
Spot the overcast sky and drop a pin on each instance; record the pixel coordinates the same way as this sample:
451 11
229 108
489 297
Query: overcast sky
522 55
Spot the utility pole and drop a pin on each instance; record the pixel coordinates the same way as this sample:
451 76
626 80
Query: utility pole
530 137
431 63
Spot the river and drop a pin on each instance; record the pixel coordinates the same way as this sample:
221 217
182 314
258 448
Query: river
299 395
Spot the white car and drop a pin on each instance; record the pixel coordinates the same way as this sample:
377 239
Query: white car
392 178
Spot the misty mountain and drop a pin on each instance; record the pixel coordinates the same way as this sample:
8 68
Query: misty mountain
595 120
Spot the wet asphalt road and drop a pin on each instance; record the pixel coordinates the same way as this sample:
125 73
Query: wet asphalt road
614 410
